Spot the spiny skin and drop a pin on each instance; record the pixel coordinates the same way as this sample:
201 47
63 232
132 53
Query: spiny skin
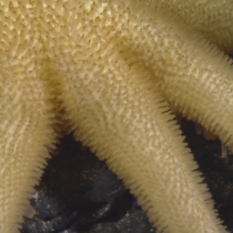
25 115
109 64
188 82
211 18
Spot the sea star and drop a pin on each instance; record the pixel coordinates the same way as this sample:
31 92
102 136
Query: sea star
105 67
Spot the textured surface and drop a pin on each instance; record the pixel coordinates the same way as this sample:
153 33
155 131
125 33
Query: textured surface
91 199
78 193
105 67
211 18
24 113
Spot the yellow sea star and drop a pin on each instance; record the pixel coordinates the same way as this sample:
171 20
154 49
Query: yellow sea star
105 67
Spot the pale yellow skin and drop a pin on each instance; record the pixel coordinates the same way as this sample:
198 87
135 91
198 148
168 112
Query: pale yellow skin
108 68
212 18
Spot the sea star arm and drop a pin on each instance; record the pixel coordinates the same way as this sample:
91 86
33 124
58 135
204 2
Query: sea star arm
125 125
113 111
195 76
25 126
212 18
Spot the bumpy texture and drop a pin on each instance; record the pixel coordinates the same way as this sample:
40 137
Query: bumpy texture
24 112
211 18
110 69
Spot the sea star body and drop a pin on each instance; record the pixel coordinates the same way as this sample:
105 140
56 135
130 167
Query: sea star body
106 67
